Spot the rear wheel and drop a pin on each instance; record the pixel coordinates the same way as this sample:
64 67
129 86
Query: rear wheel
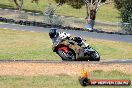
66 54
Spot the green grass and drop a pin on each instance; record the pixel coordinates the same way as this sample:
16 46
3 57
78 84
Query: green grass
106 13
25 45
111 49
36 45
59 81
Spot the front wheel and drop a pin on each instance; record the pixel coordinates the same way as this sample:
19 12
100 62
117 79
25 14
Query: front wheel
94 56
69 55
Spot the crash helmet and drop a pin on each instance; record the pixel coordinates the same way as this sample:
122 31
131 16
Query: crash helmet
53 33
64 35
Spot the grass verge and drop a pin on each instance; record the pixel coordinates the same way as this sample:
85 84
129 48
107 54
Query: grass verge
59 81
36 45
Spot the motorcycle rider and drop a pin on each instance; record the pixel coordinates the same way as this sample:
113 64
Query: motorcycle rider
56 36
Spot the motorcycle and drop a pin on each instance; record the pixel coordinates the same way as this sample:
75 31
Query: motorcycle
75 49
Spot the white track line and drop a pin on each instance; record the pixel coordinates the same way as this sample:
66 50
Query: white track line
22 30
32 31
5 28
123 60
14 29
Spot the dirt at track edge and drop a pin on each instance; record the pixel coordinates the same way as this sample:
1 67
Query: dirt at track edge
38 69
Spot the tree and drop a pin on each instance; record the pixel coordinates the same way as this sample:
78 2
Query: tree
19 4
125 8
92 7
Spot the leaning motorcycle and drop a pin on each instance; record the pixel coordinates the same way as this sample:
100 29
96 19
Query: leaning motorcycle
71 50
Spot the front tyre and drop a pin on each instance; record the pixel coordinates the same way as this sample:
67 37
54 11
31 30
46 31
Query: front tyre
94 56
68 56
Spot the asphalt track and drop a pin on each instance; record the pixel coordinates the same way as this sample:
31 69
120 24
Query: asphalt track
72 62
104 36
113 37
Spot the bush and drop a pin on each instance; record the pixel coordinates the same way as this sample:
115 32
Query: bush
125 8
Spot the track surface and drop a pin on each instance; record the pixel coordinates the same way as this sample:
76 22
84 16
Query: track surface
75 62
113 37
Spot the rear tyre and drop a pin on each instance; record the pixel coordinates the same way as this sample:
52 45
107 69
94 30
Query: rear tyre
69 56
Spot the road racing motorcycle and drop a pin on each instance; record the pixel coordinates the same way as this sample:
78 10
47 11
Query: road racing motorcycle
75 49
